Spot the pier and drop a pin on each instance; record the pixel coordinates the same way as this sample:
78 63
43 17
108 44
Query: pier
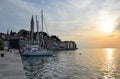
11 65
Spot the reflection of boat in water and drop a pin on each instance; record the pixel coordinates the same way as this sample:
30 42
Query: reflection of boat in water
38 49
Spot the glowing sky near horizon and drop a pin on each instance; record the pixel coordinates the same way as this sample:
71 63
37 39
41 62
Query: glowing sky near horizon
91 23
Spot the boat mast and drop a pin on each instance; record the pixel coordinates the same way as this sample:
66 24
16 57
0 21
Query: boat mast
42 28
42 21
37 26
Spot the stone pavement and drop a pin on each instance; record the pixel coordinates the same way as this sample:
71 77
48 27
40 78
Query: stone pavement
11 66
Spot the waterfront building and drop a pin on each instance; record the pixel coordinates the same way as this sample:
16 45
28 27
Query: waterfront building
67 45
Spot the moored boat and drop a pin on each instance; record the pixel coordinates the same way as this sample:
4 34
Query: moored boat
34 50
38 49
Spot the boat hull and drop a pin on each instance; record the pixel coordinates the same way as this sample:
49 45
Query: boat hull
37 53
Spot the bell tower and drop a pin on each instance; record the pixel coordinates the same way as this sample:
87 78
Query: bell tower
31 28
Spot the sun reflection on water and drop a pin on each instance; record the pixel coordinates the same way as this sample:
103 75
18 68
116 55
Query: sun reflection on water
109 53
109 64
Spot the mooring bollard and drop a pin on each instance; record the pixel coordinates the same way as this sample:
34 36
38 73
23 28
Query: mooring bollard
2 55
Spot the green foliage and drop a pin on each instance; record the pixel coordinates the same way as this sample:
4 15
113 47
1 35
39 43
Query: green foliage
24 33
1 43
55 38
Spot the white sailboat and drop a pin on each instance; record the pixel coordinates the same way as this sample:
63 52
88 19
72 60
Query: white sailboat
34 50
39 48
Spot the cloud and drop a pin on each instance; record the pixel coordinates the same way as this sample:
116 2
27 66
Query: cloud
117 24
70 19
15 14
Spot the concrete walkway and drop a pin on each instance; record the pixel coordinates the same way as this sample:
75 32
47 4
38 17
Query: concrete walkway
11 66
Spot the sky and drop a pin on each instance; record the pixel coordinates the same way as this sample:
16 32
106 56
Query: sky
90 23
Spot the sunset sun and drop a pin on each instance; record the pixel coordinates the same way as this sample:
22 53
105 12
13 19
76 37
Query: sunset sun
107 26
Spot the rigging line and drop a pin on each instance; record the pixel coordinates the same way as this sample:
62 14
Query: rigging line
45 25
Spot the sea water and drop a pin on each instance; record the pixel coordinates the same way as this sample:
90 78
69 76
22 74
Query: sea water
91 63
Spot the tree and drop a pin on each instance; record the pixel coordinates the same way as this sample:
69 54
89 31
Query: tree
1 43
7 31
25 33
11 32
44 33
55 38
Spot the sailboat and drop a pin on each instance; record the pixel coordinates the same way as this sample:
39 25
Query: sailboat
39 48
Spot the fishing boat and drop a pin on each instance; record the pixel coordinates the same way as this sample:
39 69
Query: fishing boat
38 49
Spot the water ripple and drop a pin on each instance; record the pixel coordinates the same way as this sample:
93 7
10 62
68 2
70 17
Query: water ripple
71 65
